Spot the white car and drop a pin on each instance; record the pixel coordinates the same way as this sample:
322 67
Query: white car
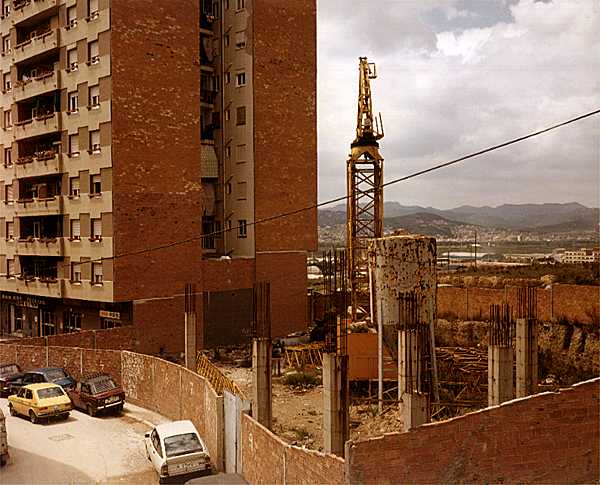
177 452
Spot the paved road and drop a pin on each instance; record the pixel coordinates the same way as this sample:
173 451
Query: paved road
106 449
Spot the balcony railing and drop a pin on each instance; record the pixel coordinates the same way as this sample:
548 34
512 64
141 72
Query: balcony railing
33 286
40 207
40 125
40 246
39 44
35 86
25 9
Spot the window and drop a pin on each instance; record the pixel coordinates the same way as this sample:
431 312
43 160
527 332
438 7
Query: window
6 84
7 157
71 17
240 79
75 229
74 145
76 272
227 115
94 96
74 189
93 12
10 230
73 102
226 40
96 185
72 61
241 4
228 151
96 228
241 116
97 273
228 191
8 193
241 153
10 268
95 141
240 40
73 321
227 78
48 321
226 4
242 190
242 229
93 52
106 323
6 8
6 44
8 119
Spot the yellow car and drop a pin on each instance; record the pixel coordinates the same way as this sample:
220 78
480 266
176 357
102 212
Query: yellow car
37 401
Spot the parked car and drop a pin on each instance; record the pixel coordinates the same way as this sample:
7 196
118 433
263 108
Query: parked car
177 452
3 440
38 401
55 375
96 393
8 372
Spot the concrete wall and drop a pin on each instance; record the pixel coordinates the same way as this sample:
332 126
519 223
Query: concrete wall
573 302
545 438
266 459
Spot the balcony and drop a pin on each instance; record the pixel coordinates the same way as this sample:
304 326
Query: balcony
41 163
38 126
26 9
51 206
35 86
35 46
40 247
34 286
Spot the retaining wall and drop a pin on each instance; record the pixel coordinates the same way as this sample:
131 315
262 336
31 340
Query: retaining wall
552 437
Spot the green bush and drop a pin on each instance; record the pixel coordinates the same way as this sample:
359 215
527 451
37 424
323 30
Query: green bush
301 379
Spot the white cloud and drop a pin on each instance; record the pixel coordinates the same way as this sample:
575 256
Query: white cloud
447 94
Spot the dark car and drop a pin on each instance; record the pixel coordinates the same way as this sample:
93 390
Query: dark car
55 375
98 392
8 372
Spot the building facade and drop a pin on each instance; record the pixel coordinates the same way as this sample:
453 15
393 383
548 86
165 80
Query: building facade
583 255
138 150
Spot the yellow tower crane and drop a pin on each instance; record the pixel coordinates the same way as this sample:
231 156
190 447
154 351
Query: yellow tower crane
365 192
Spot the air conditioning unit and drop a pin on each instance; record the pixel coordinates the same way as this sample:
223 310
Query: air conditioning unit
95 60
96 147
33 73
72 24
74 66
94 15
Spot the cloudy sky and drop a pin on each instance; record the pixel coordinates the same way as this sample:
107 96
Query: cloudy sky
456 76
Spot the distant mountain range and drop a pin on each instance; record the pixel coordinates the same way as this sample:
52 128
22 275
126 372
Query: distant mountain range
543 218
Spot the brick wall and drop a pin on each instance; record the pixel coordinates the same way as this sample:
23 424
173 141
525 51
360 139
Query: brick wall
124 338
78 362
266 459
285 123
545 438
574 302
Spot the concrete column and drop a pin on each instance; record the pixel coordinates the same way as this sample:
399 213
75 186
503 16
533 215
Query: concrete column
261 381
415 410
527 357
500 374
335 403
407 365
190 340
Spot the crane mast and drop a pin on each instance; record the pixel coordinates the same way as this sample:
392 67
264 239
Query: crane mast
365 191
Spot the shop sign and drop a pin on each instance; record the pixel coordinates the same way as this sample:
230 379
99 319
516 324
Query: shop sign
113 315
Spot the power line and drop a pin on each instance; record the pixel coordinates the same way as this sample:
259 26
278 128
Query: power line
345 197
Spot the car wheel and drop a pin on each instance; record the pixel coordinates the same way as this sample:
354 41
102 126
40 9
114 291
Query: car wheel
3 460
91 411
32 417
12 410
119 409
65 416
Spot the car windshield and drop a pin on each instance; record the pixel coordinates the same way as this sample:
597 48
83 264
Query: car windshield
182 444
102 384
55 374
50 392
9 369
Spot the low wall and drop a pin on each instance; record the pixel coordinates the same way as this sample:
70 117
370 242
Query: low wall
576 303
552 437
78 362
123 338
267 460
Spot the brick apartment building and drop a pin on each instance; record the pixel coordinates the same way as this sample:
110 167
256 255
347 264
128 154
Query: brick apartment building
130 128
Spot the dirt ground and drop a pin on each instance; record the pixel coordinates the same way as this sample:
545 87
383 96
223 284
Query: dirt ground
298 413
